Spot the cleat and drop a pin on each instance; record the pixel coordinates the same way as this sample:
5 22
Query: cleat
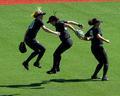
52 71
105 78
37 65
58 69
95 77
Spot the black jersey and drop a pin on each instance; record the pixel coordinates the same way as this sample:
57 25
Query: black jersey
34 28
60 27
93 32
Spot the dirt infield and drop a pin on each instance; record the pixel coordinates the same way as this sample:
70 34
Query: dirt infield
12 2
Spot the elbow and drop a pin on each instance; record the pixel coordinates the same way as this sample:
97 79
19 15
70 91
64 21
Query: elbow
99 36
44 28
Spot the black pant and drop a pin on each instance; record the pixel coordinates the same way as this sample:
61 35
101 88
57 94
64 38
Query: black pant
37 47
65 45
101 56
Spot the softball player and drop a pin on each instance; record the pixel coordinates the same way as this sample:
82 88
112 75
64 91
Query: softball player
30 40
95 35
66 41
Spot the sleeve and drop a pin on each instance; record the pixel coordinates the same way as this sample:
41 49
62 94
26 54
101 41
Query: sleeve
98 31
88 34
39 22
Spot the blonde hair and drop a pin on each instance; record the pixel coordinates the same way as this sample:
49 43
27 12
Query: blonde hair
34 14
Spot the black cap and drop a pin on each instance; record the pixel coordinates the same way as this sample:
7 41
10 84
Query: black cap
94 21
37 13
52 18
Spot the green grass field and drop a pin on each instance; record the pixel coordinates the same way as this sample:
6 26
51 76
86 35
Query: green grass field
77 63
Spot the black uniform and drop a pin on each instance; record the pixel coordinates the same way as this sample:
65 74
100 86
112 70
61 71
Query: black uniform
98 50
66 43
30 40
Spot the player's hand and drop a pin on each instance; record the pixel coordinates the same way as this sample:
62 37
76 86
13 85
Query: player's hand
58 33
108 41
81 26
89 38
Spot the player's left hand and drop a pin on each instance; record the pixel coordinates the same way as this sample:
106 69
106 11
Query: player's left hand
81 26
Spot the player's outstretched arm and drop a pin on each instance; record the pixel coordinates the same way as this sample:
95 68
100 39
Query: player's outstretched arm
102 38
78 33
50 31
75 23
70 26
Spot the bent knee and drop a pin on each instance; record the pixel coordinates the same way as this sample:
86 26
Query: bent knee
42 49
56 55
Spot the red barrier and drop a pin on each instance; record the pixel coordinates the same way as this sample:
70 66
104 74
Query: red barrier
11 2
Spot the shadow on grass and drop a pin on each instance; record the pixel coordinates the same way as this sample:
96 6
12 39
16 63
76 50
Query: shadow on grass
72 80
10 95
31 86
39 85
